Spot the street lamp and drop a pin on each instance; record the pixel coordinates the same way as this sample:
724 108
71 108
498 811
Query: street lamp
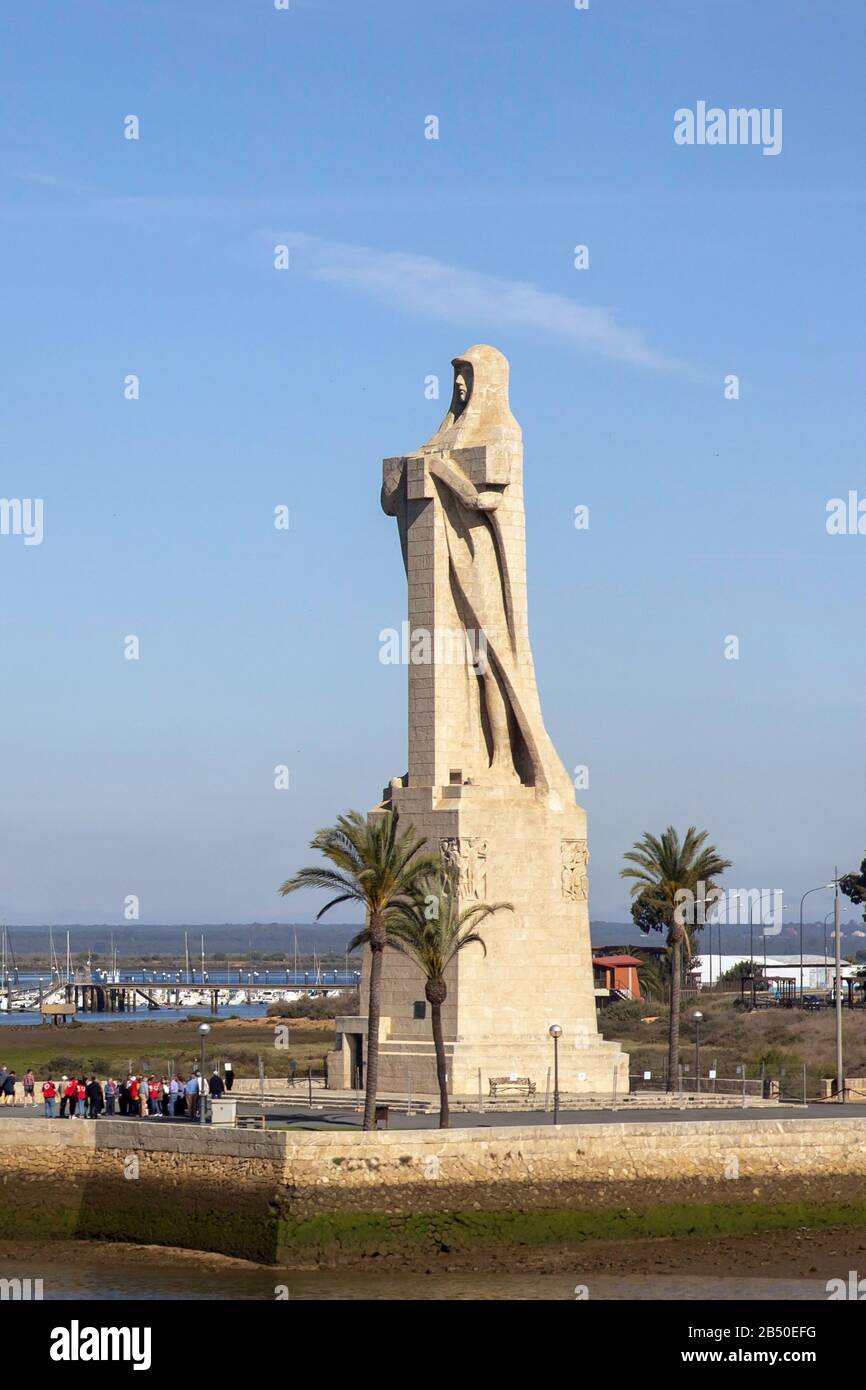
761 894
697 1016
819 889
826 920
556 1033
204 1029
764 930
837 922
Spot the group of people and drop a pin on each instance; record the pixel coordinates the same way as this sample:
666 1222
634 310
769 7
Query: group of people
9 1084
147 1097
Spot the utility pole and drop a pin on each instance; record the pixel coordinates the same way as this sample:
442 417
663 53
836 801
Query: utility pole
837 922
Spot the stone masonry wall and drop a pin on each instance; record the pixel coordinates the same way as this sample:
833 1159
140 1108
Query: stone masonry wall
314 1195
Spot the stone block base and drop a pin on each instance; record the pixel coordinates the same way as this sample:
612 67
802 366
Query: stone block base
587 1068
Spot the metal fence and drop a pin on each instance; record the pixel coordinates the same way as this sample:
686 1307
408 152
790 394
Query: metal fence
707 1084
791 1085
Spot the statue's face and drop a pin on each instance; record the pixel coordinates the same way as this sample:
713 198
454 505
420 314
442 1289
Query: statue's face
462 389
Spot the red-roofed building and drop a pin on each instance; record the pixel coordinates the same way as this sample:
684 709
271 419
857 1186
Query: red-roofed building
616 977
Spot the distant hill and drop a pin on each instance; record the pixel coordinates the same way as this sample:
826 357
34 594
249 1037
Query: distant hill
231 938
332 938
735 938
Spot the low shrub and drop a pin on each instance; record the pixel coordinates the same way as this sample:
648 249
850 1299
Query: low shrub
316 1006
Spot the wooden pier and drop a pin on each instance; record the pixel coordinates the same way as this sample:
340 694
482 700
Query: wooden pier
129 996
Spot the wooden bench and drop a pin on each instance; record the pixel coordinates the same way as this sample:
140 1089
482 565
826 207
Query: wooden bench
511 1085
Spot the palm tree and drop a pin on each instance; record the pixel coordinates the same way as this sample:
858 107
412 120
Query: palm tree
378 866
653 975
666 871
854 886
432 931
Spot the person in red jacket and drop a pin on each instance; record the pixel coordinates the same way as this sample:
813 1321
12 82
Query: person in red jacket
80 1098
70 1093
49 1096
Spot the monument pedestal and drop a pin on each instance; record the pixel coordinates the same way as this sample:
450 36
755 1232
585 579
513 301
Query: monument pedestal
506 845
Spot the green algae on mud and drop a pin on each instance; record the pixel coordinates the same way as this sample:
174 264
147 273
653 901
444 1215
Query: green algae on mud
343 1236
270 1237
338 1238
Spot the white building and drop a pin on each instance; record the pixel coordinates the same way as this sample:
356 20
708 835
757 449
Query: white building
819 972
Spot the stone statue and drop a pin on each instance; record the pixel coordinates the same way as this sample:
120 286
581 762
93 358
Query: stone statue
484 783
472 468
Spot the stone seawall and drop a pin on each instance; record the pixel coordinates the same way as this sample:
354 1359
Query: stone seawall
135 1181
305 1196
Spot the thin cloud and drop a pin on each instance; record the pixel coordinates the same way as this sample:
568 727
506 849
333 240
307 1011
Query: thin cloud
55 183
421 284
426 285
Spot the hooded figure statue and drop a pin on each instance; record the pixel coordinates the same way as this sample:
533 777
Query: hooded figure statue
472 470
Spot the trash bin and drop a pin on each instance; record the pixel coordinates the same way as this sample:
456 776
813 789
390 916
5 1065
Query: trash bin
223 1110
382 1116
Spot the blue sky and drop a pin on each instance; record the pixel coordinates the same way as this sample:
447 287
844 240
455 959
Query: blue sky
260 388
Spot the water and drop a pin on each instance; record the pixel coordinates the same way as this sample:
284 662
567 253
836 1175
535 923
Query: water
214 979
225 979
148 1015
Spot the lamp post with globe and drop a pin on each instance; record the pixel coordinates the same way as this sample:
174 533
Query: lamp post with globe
204 1029
698 1017
555 1032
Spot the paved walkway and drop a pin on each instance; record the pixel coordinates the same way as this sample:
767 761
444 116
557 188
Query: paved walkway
282 1115
297 1117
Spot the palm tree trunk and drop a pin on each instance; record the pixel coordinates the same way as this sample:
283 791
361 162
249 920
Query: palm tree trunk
374 1009
441 1071
674 1031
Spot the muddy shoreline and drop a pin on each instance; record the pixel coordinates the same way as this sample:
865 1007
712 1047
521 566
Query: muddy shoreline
805 1253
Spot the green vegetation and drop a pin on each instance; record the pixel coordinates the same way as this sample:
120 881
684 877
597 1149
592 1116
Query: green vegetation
654 975
742 970
317 1006
431 932
377 867
854 886
665 873
768 1042
343 1235
115 1048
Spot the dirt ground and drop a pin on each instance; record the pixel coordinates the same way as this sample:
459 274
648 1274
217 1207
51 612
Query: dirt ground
820 1253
